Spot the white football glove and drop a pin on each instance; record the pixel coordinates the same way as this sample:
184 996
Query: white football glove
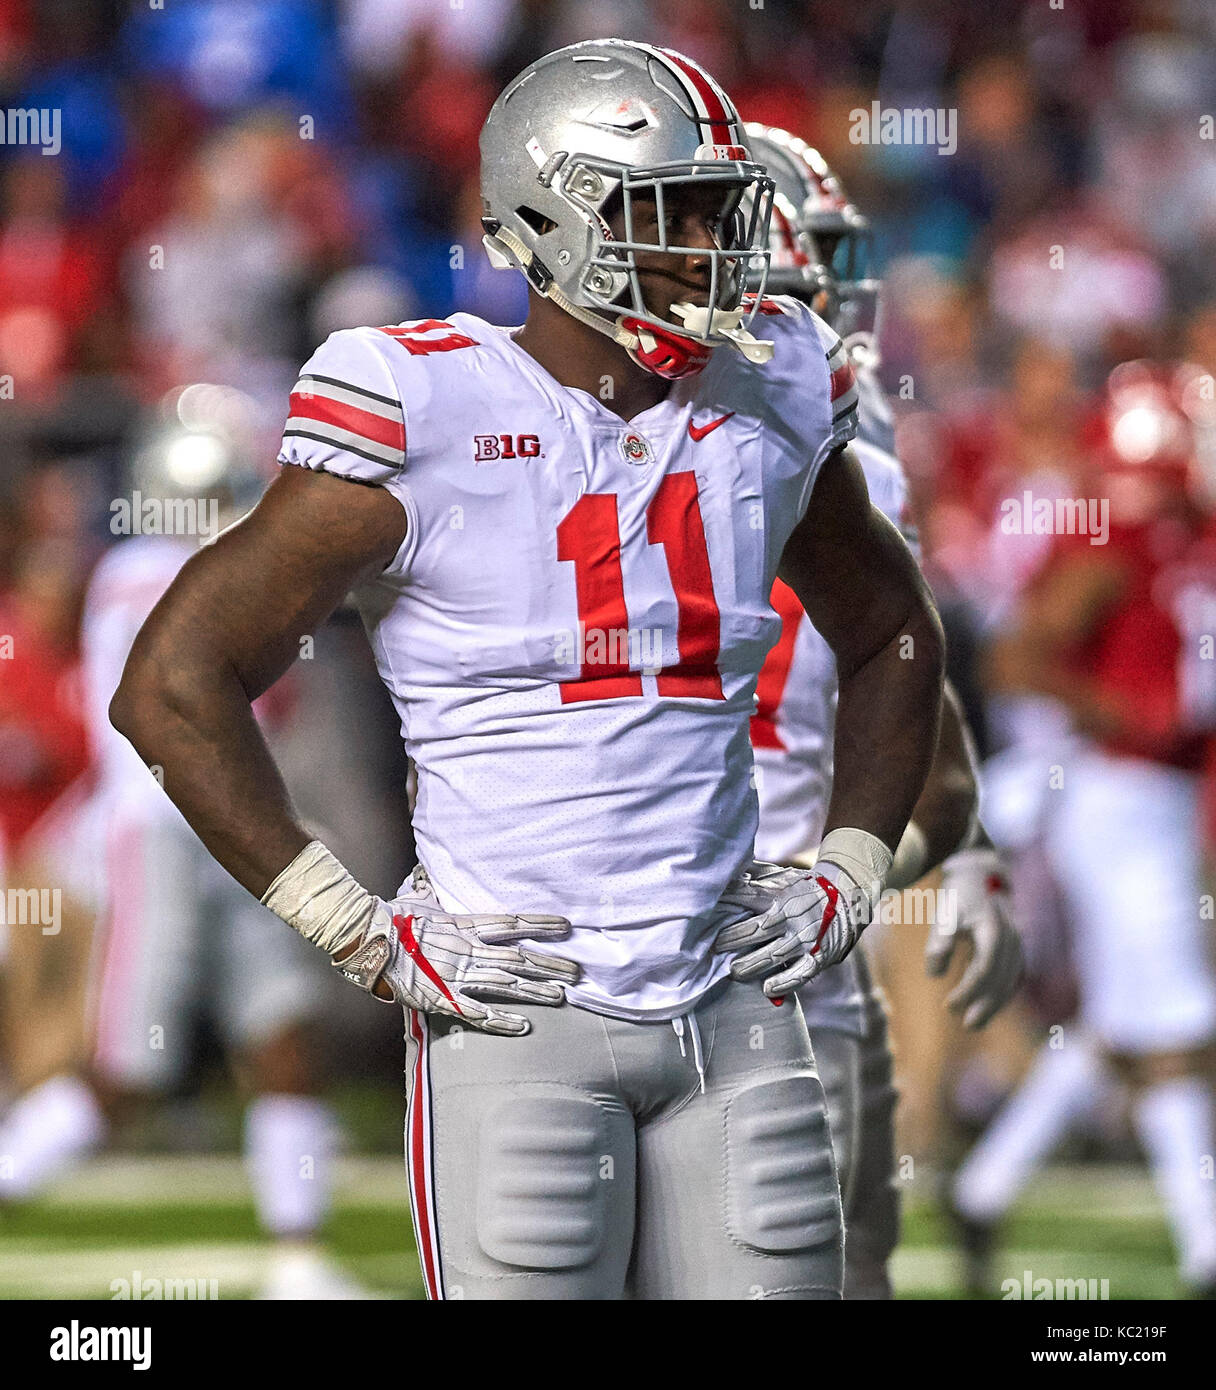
814 918
757 887
976 898
444 963
430 960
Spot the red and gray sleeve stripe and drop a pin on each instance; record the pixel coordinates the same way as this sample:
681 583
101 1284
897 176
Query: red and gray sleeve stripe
844 383
712 108
348 417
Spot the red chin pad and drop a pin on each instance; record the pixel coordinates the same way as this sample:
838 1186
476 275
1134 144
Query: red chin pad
673 356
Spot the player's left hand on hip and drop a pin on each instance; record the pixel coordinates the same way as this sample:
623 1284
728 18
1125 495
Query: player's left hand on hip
977 908
813 921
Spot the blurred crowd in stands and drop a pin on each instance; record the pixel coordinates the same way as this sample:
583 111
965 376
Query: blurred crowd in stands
237 180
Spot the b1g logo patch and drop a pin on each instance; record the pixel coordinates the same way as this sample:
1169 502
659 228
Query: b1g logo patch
489 448
720 152
635 449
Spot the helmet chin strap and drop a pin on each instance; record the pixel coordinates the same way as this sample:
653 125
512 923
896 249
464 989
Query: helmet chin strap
614 330
725 322
617 332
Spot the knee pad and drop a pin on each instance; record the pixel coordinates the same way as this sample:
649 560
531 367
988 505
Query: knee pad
544 1175
781 1190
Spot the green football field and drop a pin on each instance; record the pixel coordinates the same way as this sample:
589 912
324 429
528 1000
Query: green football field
178 1217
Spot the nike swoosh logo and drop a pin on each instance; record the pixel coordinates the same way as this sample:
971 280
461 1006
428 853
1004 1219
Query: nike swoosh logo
405 935
698 432
829 912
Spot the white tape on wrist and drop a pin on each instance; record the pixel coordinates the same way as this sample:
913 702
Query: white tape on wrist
911 858
315 895
862 856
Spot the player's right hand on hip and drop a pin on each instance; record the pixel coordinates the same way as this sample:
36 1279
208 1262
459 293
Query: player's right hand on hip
449 963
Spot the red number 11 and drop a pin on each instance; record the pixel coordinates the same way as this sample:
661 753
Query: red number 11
589 535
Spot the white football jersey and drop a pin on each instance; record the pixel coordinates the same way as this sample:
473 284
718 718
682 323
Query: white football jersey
572 629
795 720
124 588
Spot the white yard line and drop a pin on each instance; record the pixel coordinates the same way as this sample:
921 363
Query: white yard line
38 1266
926 1269
104 1273
169 1179
1125 1193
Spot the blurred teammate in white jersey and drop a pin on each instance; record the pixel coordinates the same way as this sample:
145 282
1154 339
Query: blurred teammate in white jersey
819 255
563 538
176 936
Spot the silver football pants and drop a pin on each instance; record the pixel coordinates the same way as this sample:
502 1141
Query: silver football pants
600 1159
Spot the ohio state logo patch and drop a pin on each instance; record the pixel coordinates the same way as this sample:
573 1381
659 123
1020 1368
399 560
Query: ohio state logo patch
634 448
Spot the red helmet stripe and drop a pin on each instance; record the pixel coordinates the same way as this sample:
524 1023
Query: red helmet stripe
710 100
781 224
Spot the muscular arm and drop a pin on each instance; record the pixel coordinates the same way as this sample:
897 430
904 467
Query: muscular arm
227 628
860 586
946 806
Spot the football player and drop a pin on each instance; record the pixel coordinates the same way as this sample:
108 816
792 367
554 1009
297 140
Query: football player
176 935
819 253
564 538
1119 633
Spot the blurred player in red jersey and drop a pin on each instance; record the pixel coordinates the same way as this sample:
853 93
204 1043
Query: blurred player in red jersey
42 737
42 754
1119 629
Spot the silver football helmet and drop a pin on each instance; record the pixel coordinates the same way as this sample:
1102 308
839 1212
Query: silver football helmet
819 242
591 131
